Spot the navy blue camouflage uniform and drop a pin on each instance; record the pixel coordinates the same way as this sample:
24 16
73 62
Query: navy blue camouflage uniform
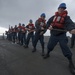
59 24
60 36
39 36
30 28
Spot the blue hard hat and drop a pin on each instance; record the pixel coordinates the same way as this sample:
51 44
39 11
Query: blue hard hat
43 15
23 24
30 21
62 5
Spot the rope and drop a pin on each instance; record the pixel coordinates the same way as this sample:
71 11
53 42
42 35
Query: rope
60 30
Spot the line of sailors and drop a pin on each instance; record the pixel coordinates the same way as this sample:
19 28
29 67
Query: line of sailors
22 33
59 21
18 33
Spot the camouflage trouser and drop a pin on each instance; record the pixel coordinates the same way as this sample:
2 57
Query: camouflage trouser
63 40
30 35
38 37
23 38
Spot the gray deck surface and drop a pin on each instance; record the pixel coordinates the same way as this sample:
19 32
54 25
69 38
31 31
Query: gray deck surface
16 60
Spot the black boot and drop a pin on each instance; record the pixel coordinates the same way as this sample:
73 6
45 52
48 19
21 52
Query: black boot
34 50
71 47
25 46
43 52
46 56
71 67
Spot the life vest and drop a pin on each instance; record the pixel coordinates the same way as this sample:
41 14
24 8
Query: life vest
16 29
13 29
31 26
19 28
42 22
23 29
58 20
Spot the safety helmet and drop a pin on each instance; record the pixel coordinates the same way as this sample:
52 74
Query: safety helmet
62 5
19 24
43 15
23 24
30 21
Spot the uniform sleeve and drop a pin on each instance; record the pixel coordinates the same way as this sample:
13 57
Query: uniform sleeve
49 22
33 27
27 26
37 25
69 24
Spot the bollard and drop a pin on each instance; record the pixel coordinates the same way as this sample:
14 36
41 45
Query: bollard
3 36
